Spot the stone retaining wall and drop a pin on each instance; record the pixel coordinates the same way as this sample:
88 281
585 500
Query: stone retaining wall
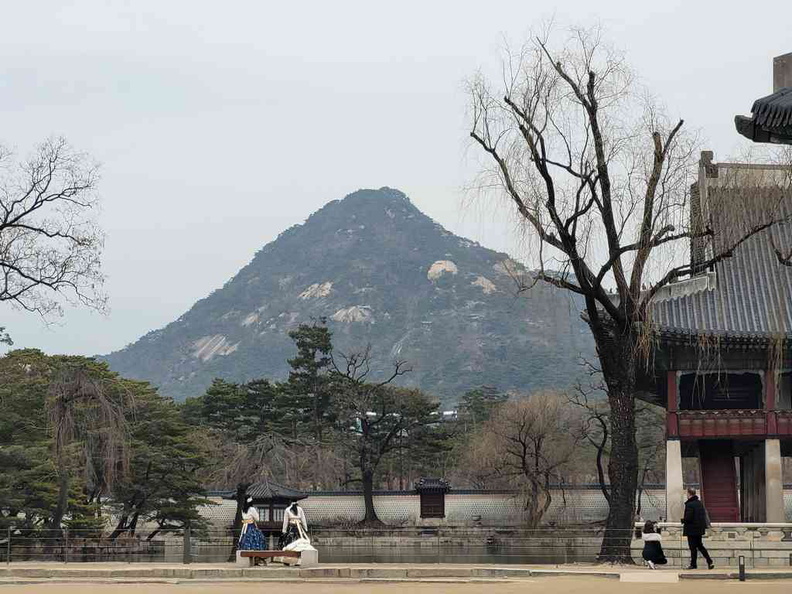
762 545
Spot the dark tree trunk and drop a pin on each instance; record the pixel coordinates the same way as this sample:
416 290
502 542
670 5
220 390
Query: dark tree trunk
638 500
120 527
368 498
601 445
618 354
54 531
241 495
133 524
537 504
63 502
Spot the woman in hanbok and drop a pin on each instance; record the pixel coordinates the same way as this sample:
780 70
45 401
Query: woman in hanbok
251 538
295 526
295 535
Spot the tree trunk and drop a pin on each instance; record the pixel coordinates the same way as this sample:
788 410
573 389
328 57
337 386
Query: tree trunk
317 431
532 506
54 527
548 500
241 495
638 500
63 502
618 354
368 499
603 485
133 524
120 527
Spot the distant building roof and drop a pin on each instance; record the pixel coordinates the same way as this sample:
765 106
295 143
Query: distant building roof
269 490
432 485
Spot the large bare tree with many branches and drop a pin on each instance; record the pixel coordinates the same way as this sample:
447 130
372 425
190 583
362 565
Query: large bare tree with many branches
600 178
50 244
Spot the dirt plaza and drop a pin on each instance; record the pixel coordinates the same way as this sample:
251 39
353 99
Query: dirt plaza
556 585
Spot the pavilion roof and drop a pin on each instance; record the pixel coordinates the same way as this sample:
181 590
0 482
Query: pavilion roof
771 119
774 111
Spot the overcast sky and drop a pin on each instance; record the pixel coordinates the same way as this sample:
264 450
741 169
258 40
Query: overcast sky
220 124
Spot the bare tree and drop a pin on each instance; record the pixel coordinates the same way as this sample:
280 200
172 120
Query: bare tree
596 424
530 442
374 415
50 245
600 178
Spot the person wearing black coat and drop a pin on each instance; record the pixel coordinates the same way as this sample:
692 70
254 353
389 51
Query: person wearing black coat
695 526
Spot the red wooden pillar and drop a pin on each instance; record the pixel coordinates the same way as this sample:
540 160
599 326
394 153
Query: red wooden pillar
770 402
672 421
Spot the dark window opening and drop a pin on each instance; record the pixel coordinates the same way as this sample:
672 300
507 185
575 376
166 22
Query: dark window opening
720 391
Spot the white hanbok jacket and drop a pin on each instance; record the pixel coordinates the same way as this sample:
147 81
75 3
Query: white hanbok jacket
248 517
289 516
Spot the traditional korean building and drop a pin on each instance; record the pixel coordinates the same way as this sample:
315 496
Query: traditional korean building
271 501
722 366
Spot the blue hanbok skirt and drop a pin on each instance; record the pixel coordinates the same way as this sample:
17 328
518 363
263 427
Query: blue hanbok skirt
252 539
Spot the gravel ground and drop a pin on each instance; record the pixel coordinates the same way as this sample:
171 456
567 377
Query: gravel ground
551 585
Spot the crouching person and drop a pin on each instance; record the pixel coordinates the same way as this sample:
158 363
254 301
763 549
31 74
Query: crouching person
653 548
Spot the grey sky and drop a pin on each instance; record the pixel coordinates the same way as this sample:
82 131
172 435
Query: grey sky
220 124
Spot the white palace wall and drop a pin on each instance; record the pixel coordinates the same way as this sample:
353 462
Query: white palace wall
571 507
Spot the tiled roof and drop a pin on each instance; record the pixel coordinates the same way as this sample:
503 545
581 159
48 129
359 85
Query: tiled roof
771 119
270 490
750 298
774 111
432 485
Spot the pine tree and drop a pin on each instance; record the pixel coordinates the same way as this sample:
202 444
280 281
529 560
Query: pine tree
306 399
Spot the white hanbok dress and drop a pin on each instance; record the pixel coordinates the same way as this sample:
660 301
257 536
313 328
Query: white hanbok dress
295 527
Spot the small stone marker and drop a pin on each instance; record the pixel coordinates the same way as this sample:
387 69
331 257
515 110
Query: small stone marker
649 576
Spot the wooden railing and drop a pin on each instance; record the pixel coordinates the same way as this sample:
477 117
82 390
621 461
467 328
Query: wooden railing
738 423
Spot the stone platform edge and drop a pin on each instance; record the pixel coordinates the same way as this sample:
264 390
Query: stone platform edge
11 574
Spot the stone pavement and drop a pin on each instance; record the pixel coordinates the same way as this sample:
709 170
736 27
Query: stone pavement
23 572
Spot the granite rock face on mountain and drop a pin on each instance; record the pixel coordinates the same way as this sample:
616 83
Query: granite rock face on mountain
383 274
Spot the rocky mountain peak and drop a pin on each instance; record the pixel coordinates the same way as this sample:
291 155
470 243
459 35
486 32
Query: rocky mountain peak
383 274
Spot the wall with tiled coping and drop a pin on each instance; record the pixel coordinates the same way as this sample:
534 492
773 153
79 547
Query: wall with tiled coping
572 507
